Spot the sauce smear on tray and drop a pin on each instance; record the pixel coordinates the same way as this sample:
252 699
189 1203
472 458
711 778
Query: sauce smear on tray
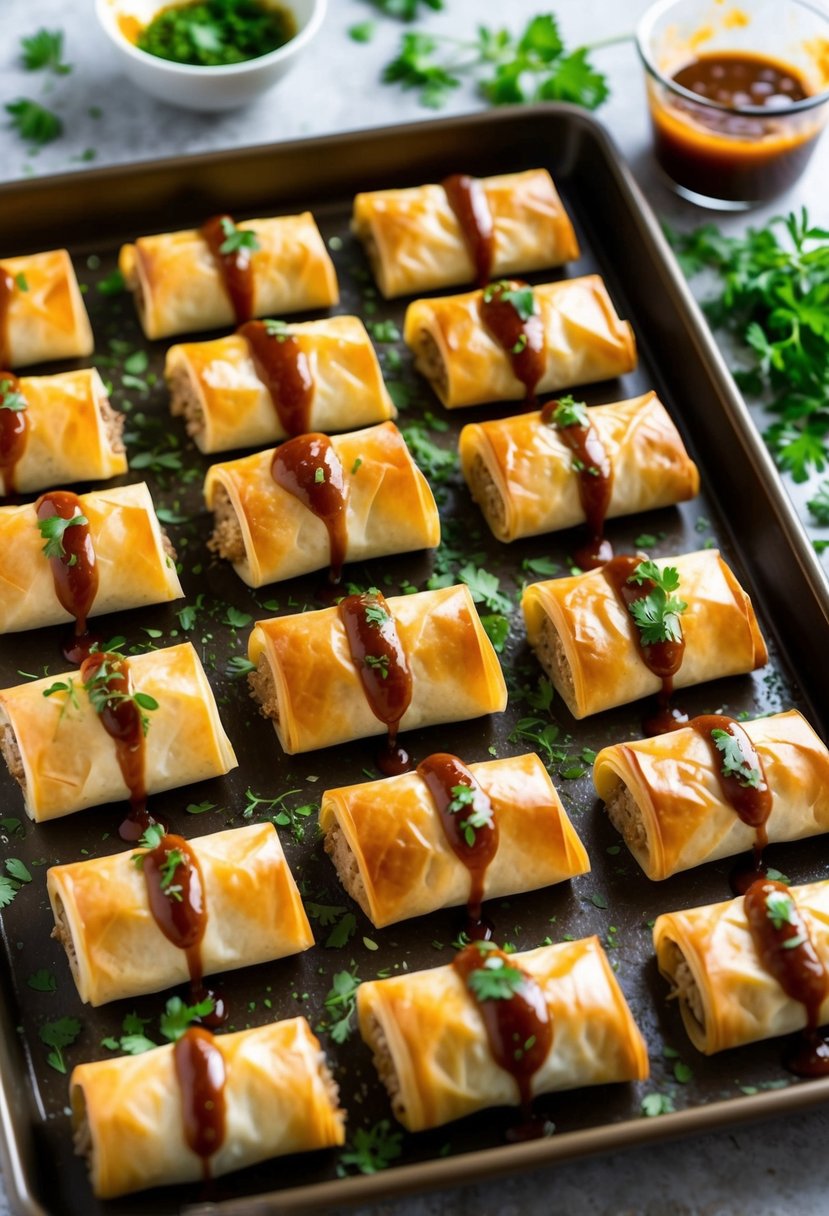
509 312
468 200
231 248
309 468
595 473
282 366
73 563
201 1076
14 427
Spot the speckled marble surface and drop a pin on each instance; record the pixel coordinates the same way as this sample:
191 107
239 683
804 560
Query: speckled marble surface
774 1169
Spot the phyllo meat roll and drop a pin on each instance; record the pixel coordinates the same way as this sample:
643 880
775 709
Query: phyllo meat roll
714 788
372 666
150 918
449 834
57 429
568 464
68 750
316 502
273 379
444 1040
603 637
224 273
203 1106
511 341
464 230
70 557
42 313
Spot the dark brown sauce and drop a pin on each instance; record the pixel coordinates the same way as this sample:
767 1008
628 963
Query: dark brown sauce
468 200
798 970
442 773
523 341
235 268
746 871
6 293
595 474
14 427
383 667
75 572
283 367
179 909
296 468
201 1076
752 804
519 1028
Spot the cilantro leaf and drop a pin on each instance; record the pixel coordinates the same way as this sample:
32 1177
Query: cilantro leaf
341 1002
8 890
374 1148
44 50
177 1016
33 122
237 239
569 412
17 870
496 627
495 980
342 932
53 529
405 10
42 981
818 505
484 588
57 1035
414 68
11 398
657 613
780 909
522 299
734 763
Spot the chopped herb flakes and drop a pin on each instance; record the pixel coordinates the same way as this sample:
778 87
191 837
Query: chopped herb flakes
374 1148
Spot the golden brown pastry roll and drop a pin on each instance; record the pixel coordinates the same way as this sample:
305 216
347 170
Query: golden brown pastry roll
432 1049
728 994
427 237
233 392
57 429
140 1120
121 550
259 267
58 749
683 798
42 313
247 900
309 683
522 475
570 329
277 517
396 858
586 640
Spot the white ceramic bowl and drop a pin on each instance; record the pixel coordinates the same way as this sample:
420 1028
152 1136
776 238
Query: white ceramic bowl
204 88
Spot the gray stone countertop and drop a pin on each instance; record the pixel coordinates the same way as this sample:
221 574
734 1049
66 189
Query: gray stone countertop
773 1169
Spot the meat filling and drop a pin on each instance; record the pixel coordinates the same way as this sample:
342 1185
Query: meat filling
263 690
113 421
11 754
184 399
550 653
63 934
488 496
227 539
429 362
345 863
384 1064
626 817
684 986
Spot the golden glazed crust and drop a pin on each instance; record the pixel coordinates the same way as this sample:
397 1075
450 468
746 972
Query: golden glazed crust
415 243
679 818
521 474
390 508
47 320
430 1041
597 636
585 341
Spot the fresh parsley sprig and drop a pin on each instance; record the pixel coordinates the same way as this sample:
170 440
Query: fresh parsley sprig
237 239
341 1003
373 1148
44 50
33 122
657 613
734 763
522 299
494 980
103 696
11 398
405 10
53 529
57 1035
569 412
468 798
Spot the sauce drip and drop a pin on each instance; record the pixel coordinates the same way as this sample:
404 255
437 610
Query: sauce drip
468 200
519 1027
201 1076
6 292
178 907
75 571
378 655
523 340
443 774
235 268
283 367
14 426
664 659
296 467
595 474
752 804
798 969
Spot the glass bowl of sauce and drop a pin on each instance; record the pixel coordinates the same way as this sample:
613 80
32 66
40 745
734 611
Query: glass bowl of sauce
738 92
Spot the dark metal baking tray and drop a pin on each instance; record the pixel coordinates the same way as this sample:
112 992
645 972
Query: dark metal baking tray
742 508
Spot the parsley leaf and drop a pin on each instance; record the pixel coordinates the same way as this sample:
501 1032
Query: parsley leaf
237 239
734 763
405 10
818 505
58 1035
44 50
341 1002
16 869
177 1016
33 122
522 299
657 613
474 800
374 1148
42 981
496 627
414 69
570 413
484 588
8 890
780 909
495 980
11 398
53 529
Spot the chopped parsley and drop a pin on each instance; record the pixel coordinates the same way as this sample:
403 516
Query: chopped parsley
734 763
10 397
177 1016
53 529
495 980
378 663
33 122
522 299
467 798
657 613
102 696
372 1149
496 627
44 50
236 239
57 1035
341 1003
657 1104
570 413
818 505
215 33
780 909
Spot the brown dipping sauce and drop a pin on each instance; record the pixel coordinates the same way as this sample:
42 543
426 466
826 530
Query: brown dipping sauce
201 1076
296 468
798 970
378 655
181 917
7 286
523 341
442 772
75 573
729 155
283 367
14 426
235 268
595 474
519 1028
468 200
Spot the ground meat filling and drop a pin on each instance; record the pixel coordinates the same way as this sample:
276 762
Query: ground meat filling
167 546
113 422
227 539
550 653
11 754
429 361
345 863
624 814
488 496
63 934
185 400
684 985
331 1087
384 1064
263 690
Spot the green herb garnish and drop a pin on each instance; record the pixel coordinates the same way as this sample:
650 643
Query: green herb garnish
53 530
58 1035
10 397
469 798
734 763
33 122
657 613
237 239
372 1149
495 980
405 10
212 33
102 696
44 50
341 1002
378 663
177 1016
522 299
569 412
780 909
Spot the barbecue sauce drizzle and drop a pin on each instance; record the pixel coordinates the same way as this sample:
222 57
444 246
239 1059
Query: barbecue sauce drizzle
202 1075
387 683
523 341
14 428
468 200
234 268
75 572
7 286
798 970
284 369
295 467
595 474
441 773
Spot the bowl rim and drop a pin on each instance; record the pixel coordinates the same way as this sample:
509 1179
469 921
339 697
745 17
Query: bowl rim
643 38
106 10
